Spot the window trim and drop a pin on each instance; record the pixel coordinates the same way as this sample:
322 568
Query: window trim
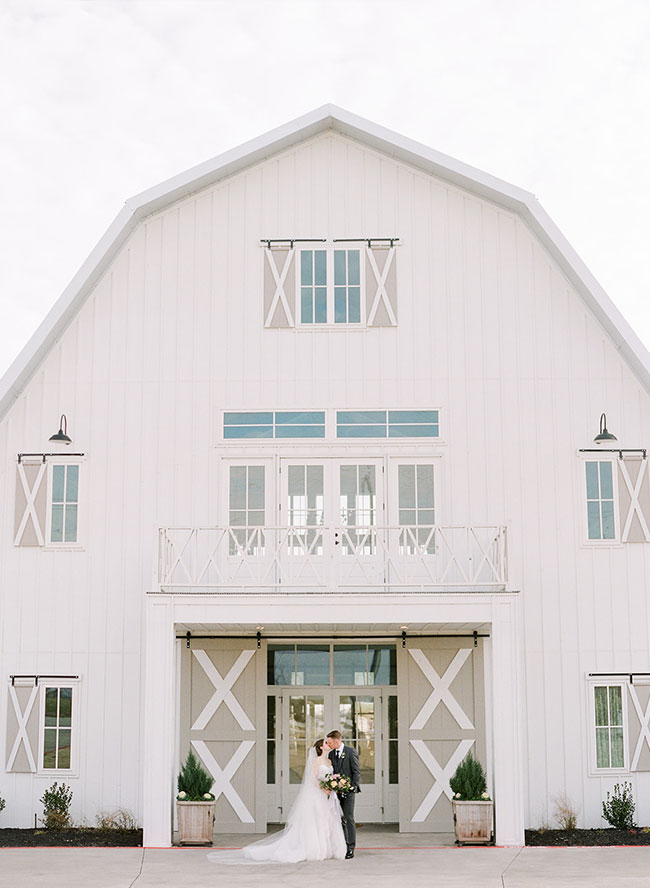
63 460
329 249
584 523
73 770
593 682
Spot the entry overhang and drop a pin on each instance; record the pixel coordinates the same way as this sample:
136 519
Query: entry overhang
496 614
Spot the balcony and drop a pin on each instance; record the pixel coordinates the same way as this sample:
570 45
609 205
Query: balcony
343 559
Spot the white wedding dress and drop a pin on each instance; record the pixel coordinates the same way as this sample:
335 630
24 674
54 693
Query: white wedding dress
313 830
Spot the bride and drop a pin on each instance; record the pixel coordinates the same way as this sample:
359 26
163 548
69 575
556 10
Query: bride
313 830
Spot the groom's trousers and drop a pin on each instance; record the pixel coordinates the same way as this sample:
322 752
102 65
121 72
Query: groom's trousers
349 826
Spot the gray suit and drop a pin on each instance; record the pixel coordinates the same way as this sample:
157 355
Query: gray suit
348 765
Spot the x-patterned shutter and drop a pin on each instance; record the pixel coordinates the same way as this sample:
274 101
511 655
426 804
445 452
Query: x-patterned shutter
31 503
638 726
279 287
381 286
22 728
634 500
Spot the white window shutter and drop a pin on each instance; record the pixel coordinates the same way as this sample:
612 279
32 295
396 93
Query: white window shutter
381 287
634 500
279 287
31 504
22 729
638 726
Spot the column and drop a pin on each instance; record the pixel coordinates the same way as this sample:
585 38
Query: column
158 745
507 730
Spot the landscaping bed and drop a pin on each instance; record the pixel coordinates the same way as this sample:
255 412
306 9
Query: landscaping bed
576 837
72 836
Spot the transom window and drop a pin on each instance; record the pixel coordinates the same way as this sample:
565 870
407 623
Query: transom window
387 424
275 424
287 424
600 500
330 287
331 664
608 707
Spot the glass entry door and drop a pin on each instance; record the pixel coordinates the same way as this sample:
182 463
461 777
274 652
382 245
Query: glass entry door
310 714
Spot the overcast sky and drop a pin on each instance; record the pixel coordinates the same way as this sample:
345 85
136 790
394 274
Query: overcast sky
100 100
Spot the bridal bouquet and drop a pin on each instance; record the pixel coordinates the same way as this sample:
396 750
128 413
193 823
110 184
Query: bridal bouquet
337 783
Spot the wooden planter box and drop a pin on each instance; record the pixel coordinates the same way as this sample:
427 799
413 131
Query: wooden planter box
195 822
473 821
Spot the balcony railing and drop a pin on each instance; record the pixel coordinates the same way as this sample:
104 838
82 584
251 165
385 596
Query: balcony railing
332 559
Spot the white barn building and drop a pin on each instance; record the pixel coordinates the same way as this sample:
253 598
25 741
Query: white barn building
332 399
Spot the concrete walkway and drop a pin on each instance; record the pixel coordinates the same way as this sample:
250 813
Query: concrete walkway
383 860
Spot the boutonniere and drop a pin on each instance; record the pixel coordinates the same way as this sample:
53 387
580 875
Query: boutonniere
342 755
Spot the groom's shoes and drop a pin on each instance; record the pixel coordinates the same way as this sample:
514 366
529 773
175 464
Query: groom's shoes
349 854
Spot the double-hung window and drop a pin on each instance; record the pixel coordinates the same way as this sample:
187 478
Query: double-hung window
58 727
608 721
601 524
330 287
62 527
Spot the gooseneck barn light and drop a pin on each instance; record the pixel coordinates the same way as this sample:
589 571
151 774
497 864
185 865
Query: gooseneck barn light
603 436
61 437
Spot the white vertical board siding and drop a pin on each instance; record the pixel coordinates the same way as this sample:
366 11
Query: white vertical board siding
489 331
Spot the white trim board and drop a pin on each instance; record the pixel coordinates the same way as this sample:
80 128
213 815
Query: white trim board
327 117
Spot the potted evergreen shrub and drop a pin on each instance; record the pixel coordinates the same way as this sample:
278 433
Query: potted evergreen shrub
194 803
472 806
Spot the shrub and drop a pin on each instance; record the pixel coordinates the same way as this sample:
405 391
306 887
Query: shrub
121 819
194 782
56 803
468 783
565 814
2 804
618 810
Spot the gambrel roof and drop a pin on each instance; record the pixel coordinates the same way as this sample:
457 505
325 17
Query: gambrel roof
328 117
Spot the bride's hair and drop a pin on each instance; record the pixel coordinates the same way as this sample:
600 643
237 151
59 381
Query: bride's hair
318 746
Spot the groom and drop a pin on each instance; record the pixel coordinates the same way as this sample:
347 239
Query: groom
345 761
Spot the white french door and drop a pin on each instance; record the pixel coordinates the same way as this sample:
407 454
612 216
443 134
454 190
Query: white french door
331 510
309 714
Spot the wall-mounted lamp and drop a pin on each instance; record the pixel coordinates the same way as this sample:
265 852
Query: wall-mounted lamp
603 436
61 437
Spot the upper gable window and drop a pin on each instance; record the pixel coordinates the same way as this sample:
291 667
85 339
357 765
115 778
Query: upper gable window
347 287
330 286
313 286
322 303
